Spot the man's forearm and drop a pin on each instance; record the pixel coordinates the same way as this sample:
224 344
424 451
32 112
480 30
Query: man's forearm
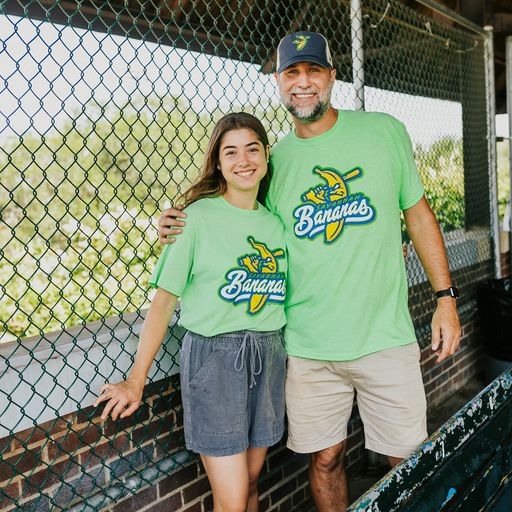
427 239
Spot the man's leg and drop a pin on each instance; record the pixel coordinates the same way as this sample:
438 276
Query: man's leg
319 400
391 401
328 479
394 461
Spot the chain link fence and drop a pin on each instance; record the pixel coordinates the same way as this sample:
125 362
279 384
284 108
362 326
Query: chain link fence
105 110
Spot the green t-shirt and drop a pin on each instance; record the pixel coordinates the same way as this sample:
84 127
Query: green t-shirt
228 267
339 196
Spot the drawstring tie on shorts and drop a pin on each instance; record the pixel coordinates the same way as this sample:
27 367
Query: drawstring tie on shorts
255 356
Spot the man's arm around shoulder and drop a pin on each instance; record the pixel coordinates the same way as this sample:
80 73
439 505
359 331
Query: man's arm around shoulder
170 223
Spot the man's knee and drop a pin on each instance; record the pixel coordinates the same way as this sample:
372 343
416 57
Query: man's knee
329 459
394 461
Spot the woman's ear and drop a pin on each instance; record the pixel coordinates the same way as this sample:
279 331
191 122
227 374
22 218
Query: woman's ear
267 152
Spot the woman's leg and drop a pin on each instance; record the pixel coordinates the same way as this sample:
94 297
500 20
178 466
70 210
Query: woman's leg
255 460
229 479
234 480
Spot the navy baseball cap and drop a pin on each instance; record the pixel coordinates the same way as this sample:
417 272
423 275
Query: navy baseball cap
303 47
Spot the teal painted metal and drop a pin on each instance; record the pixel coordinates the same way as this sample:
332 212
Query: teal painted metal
466 466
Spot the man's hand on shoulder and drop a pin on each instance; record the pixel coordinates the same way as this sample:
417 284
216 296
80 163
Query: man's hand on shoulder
445 328
170 224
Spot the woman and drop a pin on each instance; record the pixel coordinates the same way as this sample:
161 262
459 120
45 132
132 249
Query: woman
228 269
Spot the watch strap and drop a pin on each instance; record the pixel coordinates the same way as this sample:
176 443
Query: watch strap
448 292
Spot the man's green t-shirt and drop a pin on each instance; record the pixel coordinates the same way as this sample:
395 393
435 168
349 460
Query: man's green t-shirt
339 196
228 267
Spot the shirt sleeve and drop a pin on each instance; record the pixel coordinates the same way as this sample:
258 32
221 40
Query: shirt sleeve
270 199
268 203
175 267
411 188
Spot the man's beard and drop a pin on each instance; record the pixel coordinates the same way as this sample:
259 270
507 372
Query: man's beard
310 114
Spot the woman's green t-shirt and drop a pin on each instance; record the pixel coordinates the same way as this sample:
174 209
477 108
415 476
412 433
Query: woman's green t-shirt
228 267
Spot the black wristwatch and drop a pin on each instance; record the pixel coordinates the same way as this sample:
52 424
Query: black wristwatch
449 292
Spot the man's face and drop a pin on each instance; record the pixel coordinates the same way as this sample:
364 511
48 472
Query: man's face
305 89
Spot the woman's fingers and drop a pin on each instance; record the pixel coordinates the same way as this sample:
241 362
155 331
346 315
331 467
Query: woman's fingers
121 400
172 231
104 394
110 405
131 409
118 409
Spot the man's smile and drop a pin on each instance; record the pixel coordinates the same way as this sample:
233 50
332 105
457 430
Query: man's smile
303 95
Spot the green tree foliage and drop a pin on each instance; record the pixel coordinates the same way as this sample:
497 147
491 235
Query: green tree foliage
77 204
503 177
78 235
441 169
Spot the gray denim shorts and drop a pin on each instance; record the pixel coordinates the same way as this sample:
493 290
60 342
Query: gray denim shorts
232 388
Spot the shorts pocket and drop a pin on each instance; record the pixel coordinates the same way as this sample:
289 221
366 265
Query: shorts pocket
216 393
201 363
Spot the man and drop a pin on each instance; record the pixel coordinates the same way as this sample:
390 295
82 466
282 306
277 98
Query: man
340 180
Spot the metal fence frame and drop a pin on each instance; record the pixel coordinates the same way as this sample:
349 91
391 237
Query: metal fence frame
460 243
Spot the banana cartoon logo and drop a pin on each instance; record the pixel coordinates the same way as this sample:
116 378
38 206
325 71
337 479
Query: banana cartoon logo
300 42
257 280
329 207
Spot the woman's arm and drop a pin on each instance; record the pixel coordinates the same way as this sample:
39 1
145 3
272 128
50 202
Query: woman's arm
124 398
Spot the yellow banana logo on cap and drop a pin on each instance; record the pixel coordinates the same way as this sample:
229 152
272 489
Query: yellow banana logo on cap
300 42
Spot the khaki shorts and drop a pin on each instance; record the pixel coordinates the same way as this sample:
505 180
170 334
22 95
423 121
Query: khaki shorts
390 398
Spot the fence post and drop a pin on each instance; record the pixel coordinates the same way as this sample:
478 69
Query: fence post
493 185
356 31
509 112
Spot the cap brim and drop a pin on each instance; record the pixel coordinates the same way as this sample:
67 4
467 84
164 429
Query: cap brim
304 58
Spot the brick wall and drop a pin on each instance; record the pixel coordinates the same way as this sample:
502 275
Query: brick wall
57 463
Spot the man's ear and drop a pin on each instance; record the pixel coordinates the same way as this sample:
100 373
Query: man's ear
333 74
276 76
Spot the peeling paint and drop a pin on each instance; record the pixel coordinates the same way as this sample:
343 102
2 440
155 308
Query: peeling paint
398 486
451 493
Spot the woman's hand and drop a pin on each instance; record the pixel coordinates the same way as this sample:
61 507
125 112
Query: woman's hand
123 399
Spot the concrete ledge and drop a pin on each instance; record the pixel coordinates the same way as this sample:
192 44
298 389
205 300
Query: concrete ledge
45 377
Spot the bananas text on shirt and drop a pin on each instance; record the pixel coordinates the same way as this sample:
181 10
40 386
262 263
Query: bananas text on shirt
257 280
328 208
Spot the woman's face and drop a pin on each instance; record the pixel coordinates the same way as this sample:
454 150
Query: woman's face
243 160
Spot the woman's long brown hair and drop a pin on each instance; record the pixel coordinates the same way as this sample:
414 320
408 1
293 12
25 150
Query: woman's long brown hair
211 183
